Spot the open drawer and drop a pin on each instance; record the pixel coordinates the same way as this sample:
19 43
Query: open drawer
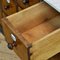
33 33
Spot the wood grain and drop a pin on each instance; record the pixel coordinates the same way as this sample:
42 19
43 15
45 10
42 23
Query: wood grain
46 47
38 32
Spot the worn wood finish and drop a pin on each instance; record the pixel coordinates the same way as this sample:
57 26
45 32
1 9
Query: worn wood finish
37 31
41 30
11 9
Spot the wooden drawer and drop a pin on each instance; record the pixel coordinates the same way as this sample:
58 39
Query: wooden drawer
8 7
33 33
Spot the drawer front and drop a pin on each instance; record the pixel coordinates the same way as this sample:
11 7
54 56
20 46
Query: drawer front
8 6
15 44
46 47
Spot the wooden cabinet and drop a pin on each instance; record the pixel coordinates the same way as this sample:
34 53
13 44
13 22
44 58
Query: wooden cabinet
33 33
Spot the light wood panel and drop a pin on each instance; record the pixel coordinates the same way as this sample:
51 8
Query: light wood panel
38 32
42 30
46 47
55 21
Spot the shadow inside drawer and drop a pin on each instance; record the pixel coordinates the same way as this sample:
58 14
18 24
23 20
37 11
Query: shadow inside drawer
56 57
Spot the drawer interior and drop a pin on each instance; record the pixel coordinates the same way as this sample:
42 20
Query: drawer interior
36 21
42 29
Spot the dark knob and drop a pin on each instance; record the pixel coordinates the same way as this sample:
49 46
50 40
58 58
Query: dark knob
25 1
11 45
7 6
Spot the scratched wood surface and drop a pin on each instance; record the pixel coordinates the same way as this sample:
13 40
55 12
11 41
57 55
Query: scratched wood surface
5 53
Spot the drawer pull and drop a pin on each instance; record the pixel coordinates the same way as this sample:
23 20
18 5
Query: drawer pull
11 45
25 1
7 5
